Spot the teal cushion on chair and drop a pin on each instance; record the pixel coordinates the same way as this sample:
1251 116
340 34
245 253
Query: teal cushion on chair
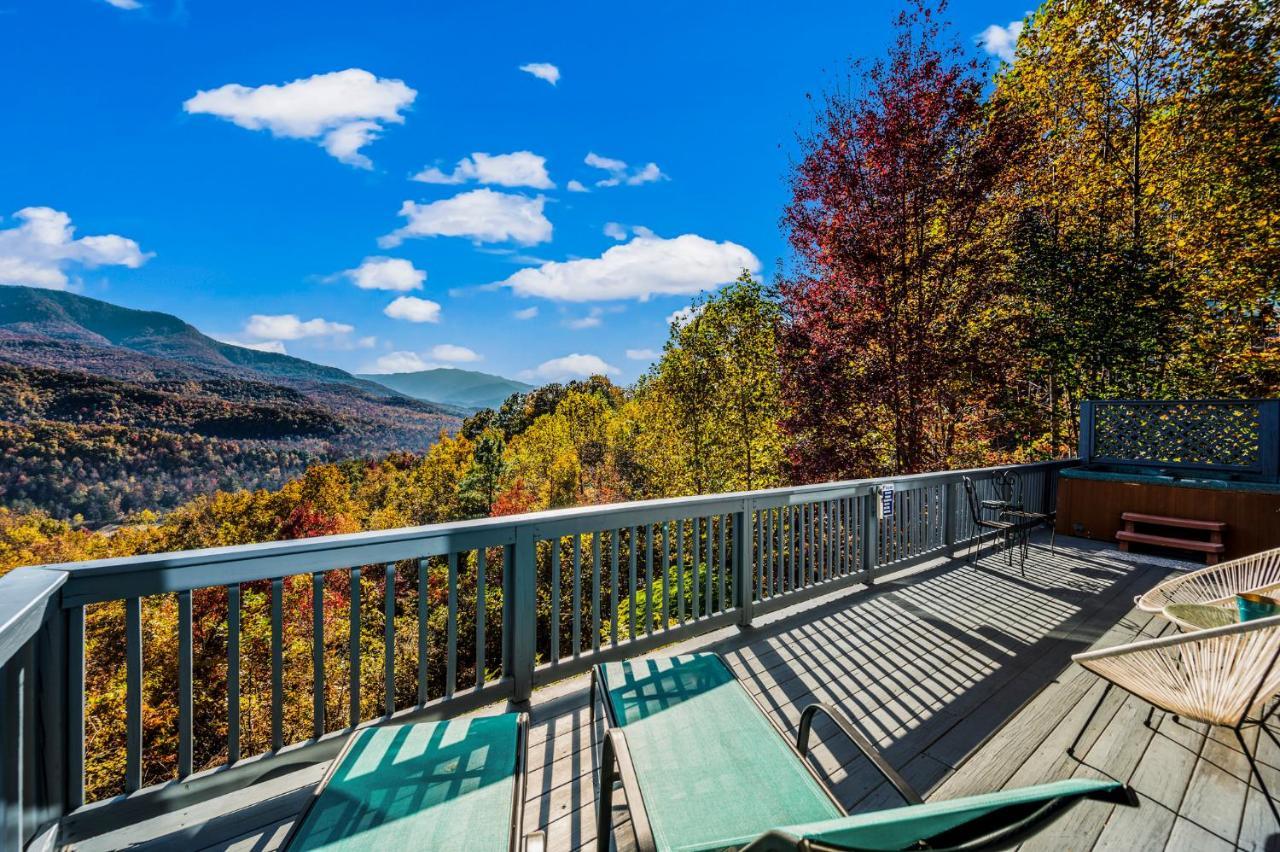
711 766
446 785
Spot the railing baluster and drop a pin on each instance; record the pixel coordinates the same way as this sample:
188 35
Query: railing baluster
184 683
577 594
317 655
482 568
233 673
557 566
613 586
451 633
724 562
631 586
648 581
595 591
666 576
709 605
133 694
354 650
389 639
680 568
75 708
695 551
14 681
424 589
277 664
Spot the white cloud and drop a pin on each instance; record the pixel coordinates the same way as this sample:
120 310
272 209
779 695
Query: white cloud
519 168
646 266
576 186
684 316
125 4
526 313
573 366
642 354
1001 41
543 71
592 320
617 170
413 309
400 362
343 110
289 327
37 251
454 354
616 231
386 273
276 346
481 214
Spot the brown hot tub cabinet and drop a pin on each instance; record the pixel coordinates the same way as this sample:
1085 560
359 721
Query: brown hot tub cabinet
1091 500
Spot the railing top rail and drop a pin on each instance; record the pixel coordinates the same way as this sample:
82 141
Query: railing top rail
24 599
390 545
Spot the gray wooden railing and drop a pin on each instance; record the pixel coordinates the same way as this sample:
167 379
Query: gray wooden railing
613 581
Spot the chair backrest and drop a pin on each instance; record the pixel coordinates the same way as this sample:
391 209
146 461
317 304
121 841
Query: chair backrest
1217 583
971 496
1012 487
1213 676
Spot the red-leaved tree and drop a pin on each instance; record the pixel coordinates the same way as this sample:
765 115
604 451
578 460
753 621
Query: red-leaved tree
893 217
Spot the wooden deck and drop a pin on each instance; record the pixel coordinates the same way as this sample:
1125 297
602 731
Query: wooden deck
962 676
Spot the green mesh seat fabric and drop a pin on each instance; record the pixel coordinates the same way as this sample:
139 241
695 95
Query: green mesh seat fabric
446 785
711 765
936 824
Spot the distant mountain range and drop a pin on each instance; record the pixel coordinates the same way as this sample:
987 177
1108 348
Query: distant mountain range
106 410
466 389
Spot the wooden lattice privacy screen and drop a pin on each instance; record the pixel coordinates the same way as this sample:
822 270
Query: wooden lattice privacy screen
1238 437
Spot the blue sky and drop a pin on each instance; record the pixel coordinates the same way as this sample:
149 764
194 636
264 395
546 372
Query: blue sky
251 166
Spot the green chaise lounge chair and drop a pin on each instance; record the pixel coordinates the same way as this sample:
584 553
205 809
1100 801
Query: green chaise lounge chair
704 768
454 785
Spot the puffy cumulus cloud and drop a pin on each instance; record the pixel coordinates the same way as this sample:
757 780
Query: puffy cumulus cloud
576 186
454 354
343 110
399 362
642 354
573 366
620 173
481 215
38 251
386 273
593 319
615 231
646 266
519 168
276 346
684 316
413 309
526 313
543 71
289 327
1001 41
125 4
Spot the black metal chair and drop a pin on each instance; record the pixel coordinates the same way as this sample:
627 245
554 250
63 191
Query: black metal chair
1015 507
999 529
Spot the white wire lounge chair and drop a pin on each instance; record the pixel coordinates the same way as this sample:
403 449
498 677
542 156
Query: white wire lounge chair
1223 676
1216 585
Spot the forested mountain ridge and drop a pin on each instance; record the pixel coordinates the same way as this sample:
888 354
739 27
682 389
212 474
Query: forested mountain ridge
105 411
468 389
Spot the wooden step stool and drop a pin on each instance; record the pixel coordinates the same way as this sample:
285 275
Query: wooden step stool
1211 549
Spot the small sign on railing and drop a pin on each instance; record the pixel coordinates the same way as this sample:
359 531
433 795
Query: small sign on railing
886 500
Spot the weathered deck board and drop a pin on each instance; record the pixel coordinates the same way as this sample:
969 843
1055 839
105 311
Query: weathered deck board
962 677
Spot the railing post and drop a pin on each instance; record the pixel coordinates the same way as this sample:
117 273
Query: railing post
1086 431
744 576
523 626
870 534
